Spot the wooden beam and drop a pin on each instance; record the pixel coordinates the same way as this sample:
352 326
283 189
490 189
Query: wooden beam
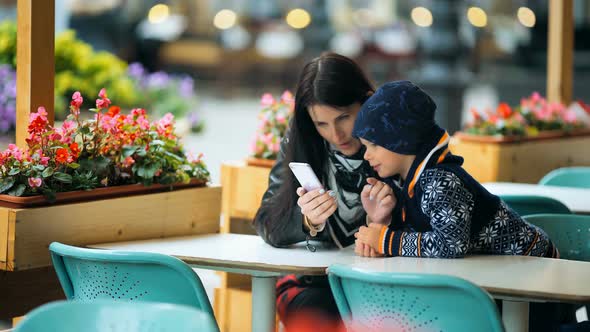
35 62
560 52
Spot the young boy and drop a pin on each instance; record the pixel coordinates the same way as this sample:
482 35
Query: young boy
441 211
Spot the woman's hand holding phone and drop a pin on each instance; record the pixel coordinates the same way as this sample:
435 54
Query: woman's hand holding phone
378 201
317 205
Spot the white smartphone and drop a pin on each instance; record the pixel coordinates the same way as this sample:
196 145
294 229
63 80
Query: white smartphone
305 175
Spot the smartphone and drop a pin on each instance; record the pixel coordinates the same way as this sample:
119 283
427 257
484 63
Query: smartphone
305 175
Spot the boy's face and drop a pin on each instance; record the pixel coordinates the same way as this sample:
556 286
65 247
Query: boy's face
386 163
335 126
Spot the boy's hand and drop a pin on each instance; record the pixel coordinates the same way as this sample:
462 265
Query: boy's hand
378 201
364 250
370 235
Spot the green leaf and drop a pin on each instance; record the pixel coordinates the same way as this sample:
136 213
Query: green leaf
174 156
157 142
18 190
39 168
94 110
62 177
73 165
128 151
6 183
148 171
47 172
85 130
141 152
14 171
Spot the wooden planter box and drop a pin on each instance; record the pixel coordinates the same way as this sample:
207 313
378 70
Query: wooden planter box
28 279
492 159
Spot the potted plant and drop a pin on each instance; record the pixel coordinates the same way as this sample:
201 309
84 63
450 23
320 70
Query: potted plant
523 143
273 121
89 157
534 118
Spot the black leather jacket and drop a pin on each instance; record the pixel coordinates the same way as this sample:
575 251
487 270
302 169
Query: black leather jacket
289 229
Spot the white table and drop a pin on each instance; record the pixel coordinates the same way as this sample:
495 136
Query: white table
576 199
246 254
517 280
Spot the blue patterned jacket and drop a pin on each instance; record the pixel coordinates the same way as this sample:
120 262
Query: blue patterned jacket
444 212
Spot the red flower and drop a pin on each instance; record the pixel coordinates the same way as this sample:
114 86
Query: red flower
113 110
75 149
504 110
62 155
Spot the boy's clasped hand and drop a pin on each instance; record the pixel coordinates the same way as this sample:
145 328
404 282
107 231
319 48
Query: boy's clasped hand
378 201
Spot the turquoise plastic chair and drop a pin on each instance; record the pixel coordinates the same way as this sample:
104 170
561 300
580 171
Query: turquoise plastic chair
569 232
578 177
115 316
91 274
370 301
528 204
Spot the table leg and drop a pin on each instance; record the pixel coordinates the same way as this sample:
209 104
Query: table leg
263 304
515 316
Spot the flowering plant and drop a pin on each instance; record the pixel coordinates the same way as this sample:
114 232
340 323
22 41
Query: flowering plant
533 115
109 149
273 122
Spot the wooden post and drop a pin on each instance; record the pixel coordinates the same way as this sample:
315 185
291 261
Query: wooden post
35 63
560 52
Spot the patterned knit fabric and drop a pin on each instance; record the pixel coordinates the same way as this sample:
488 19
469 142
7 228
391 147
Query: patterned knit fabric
449 204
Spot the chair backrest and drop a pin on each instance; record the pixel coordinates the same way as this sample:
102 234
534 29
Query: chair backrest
115 316
569 232
370 301
91 274
578 177
528 204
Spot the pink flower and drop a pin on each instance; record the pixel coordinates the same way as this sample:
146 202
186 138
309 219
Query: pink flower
287 97
102 93
569 116
143 123
281 118
35 182
77 101
42 112
535 97
191 158
276 147
267 138
68 126
267 100
103 103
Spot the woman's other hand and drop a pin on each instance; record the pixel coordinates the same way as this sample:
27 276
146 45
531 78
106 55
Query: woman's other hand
317 205
378 201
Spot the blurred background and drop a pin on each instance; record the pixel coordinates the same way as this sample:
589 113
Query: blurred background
209 62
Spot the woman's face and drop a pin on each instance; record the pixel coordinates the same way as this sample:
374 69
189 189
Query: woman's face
335 126
386 163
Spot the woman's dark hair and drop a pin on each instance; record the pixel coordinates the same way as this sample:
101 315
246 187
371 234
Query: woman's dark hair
332 80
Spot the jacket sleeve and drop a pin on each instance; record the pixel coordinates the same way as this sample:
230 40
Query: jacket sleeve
288 229
449 206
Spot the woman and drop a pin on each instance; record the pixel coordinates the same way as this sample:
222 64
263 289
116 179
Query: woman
329 94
